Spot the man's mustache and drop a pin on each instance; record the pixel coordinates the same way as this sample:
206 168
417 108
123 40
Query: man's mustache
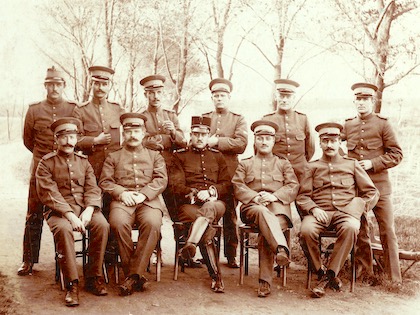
133 139
69 146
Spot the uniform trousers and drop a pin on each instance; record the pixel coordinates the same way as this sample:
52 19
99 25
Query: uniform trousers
347 228
149 221
64 243
271 236
384 214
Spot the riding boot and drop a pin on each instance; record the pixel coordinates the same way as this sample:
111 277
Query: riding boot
211 257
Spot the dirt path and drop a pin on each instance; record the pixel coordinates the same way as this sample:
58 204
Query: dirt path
39 294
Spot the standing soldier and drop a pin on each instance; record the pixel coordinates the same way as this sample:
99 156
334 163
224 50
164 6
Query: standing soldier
162 127
372 141
293 139
266 185
39 139
67 187
228 134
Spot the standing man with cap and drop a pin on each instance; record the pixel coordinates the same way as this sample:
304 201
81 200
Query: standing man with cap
134 176
335 191
162 127
266 185
293 138
39 139
372 141
200 182
66 185
229 135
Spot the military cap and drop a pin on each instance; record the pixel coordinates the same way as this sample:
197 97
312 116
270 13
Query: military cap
286 86
153 82
220 85
329 129
264 127
200 124
54 75
132 120
364 89
65 125
101 73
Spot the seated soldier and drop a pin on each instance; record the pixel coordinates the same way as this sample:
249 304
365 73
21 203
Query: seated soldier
266 185
335 192
66 185
200 181
134 176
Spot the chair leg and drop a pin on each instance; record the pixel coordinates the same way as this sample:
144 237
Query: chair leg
283 275
241 258
353 270
309 276
158 262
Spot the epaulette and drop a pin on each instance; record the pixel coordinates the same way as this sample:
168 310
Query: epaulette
300 113
213 150
73 102
84 103
247 158
209 113
349 158
281 156
169 110
114 103
236 114
80 153
35 103
49 155
351 118
311 162
382 117
269 114
181 150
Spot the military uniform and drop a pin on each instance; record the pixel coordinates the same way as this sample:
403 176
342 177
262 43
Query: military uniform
342 188
274 175
39 139
141 170
293 139
68 184
372 138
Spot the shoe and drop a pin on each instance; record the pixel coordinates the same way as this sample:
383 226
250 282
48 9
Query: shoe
282 259
263 289
217 284
335 284
72 294
96 285
232 262
126 288
321 272
142 284
319 290
25 268
188 251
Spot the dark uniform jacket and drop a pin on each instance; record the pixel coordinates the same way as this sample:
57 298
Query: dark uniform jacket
338 184
135 169
37 135
231 129
195 169
66 183
372 138
156 136
271 174
98 118
293 138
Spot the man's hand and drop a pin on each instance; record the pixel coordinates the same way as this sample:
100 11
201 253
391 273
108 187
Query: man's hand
203 195
128 198
75 222
168 126
267 197
213 141
102 138
139 197
86 215
320 215
366 164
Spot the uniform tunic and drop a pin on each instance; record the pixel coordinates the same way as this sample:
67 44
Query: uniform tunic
372 138
39 139
231 130
274 175
141 170
97 117
293 138
342 188
66 183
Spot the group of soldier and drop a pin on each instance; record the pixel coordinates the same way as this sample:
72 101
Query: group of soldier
116 181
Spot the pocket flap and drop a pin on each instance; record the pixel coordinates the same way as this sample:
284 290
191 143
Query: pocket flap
90 127
278 177
114 125
347 181
373 145
300 136
148 173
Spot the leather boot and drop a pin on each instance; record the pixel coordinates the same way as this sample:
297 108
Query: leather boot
25 268
72 294
197 230
211 257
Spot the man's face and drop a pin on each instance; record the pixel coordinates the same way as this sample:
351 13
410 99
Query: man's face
66 142
364 104
264 144
220 99
100 89
133 136
284 100
154 97
330 145
199 139
54 90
